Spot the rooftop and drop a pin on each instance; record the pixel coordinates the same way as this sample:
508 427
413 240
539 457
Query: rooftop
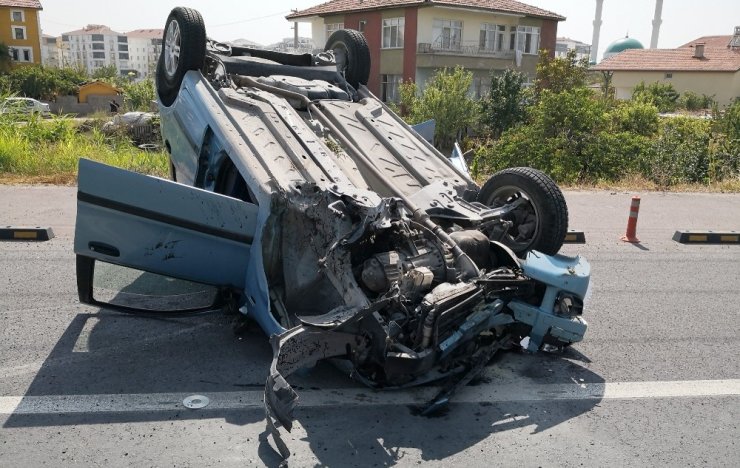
146 33
681 59
35 4
711 41
93 29
346 6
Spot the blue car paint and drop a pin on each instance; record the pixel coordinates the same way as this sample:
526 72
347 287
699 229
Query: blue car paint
559 273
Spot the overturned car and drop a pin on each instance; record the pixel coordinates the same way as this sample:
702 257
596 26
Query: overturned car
305 203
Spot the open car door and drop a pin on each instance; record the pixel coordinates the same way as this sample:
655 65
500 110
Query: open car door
148 244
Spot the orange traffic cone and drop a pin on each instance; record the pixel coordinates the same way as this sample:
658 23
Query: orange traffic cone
631 234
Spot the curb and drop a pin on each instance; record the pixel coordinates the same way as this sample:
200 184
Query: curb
707 237
25 233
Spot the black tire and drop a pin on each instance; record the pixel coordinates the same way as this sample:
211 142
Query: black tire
541 222
184 28
353 46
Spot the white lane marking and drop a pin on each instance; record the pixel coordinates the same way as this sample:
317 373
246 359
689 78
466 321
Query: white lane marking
127 403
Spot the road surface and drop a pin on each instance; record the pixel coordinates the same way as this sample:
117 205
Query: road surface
656 381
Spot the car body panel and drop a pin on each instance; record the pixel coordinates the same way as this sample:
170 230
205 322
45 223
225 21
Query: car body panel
162 227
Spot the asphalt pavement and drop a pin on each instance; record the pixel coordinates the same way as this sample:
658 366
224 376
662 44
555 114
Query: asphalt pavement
656 382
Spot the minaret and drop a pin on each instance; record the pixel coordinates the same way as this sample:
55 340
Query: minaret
597 31
656 24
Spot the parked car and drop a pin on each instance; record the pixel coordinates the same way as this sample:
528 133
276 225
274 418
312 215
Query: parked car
23 105
305 203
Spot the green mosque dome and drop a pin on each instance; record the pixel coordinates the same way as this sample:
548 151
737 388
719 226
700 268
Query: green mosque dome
620 45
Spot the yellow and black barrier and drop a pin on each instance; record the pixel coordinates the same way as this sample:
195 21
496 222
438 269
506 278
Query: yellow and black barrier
707 237
26 234
575 237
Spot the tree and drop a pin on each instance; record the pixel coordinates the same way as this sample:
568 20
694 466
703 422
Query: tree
661 95
139 95
504 106
107 72
446 100
44 83
5 59
561 73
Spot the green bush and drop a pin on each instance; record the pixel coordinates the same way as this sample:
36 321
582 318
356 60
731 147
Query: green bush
446 99
633 116
661 95
504 105
692 101
680 152
42 83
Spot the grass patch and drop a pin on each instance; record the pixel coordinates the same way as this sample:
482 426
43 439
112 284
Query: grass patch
48 151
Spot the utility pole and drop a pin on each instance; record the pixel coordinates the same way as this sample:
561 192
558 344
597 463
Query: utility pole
295 32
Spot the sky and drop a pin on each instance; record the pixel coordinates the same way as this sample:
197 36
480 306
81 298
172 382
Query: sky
264 21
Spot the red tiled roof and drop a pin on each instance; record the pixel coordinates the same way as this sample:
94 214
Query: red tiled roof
710 41
345 6
146 33
35 4
681 59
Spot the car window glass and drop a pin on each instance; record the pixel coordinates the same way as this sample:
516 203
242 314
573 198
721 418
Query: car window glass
128 287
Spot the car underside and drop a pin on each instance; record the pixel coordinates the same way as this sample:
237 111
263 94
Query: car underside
367 245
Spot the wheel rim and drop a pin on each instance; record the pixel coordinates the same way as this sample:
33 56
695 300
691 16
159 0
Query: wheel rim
341 57
172 43
525 217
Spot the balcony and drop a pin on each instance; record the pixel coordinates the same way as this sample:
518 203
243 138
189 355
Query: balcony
469 55
467 48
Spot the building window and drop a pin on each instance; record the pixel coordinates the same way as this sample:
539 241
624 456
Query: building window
123 56
447 34
389 85
331 27
98 38
19 33
123 39
527 39
668 76
21 54
492 37
123 47
98 55
361 26
96 46
393 32
17 16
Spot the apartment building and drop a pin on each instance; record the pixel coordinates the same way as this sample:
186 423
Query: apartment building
95 46
144 47
564 45
412 39
20 30
51 48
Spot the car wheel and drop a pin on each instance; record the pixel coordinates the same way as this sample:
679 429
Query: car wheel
352 55
183 49
540 221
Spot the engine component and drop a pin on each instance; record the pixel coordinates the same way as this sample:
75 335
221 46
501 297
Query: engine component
476 245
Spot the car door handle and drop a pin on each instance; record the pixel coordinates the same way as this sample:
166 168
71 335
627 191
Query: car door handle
104 249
